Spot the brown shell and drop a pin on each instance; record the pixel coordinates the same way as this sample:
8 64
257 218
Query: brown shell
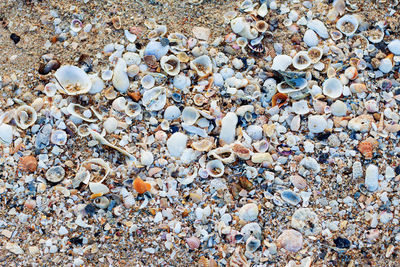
204 262
27 164
279 99
151 61
367 147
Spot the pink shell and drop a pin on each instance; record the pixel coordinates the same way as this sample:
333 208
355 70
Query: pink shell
193 242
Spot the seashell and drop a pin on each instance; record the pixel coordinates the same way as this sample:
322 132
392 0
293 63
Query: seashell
367 147
193 242
242 42
261 26
351 73
83 130
241 27
202 65
58 137
247 6
237 259
300 107
262 10
81 112
229 15
106 75
98 188
199 99
371 106
241 151
25 116
306 221
248 212
132 58
315 54
98 168
27 164
339 108
317 124
224 154
336 35
228 128
358 88
190 115
140 186
394 47
156 49
171 65
155 99
82 175
133 109
281 62
386 64
72 80
301 60
375 36
97 84
290 240
215 168
50 89
176 144
252 244
6 133
279 99
203 145
76 25
183 57
130 36
45 69
151 61
159 31
332 88
318 27
147 81
55 174
310 38
261 146
361 123
146 158
101 202
103 141
251 230
347 24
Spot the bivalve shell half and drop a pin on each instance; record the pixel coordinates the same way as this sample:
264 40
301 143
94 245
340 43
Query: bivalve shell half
190 115
224 154
202 65
281 62
171 65
25 116
375 36
241 151
315 54
72 80
155 99
215 168
81 112
301 60
332 88
98 168
55 174
347 24
203 145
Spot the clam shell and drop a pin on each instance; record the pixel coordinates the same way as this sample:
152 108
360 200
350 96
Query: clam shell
55 174
301 60
81 112
241 151
347 24
155 99
147 81
133 109
215 168
332 88
242 27
171 65
72 80
6 134
190 115
25 116
202 65
203 145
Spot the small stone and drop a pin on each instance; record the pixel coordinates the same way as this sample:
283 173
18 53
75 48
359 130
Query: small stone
341 242
14 248
371 178
298 181
248 212
290 197
15 38
290 240
62 231
389 172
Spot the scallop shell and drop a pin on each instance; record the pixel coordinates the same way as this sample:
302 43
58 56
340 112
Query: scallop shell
155 99
215 168
81 112
315 54
28 164
347 24
190 115
224 154
25 116
72 80
241 151
301 60
203 145
332 88
202 65
55 174
171 65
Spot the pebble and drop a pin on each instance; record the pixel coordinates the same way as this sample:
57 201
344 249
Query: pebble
62 231
290 197
228 128
248 212
298 181
290 240
310 38
372 177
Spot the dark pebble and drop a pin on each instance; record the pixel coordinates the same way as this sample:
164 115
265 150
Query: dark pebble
15 38
341 242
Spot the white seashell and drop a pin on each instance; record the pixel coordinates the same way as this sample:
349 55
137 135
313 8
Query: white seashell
386 65
394 47
6 133
58 137
215 168
131 58
181 82
83 130
295 123
176 144
203 145
315 54
55 174
249 212
97 84
72 80
172 113
190 115
252 244
228 128
98 188
301 60
263 10
336 35
376 36
251 229
97 164
81 112
194 130
155 99
332 88
156 49
281 62
371 106
120 78
159 31
202 65
25 116
372 178
242 28
339 108
133 109
290 240
147 81
110 124
106 75
317 123
347 24
171 65
130 36
310 38
132 71
224 154
50 89
82 176
300 107
146 158
318 27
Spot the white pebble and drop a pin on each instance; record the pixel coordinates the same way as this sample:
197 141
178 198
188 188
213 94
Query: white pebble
248 212
176 144
228 128
371 177
310 38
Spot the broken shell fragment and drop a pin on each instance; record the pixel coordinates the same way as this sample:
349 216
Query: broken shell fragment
202 65
155 99
72 80
25 116
171 65
281 62
120 78
55 174
317 123
140 186
347 24
190 115
81 112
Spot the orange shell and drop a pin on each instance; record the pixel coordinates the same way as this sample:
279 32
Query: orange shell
141 186
367 147
27 164
279 99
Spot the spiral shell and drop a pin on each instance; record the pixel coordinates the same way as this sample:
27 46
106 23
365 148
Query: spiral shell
27 164
25 116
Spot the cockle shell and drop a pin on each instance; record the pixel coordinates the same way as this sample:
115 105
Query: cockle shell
347 24
72 80
290 240
249 212
171 65
27 164
155 99
193 242
25 116
58 137
140 186
367 147
202 65
332 88
215 168
301 60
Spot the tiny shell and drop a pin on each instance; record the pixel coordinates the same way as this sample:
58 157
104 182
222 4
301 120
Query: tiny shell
225 154
367 147
72 80
315 54
6 133
81 112
203 145
202 65
171 65
193 242
237 259
339 108
279 99
240 26
301 60
120 78
58 137
190 115
215 168
55 174
319 27
347 24
101 202
147 81
394 47
310 38
98 188
351 73
155 98
290 240
249 212
332 88
28 164
25 116
241 151
261 26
